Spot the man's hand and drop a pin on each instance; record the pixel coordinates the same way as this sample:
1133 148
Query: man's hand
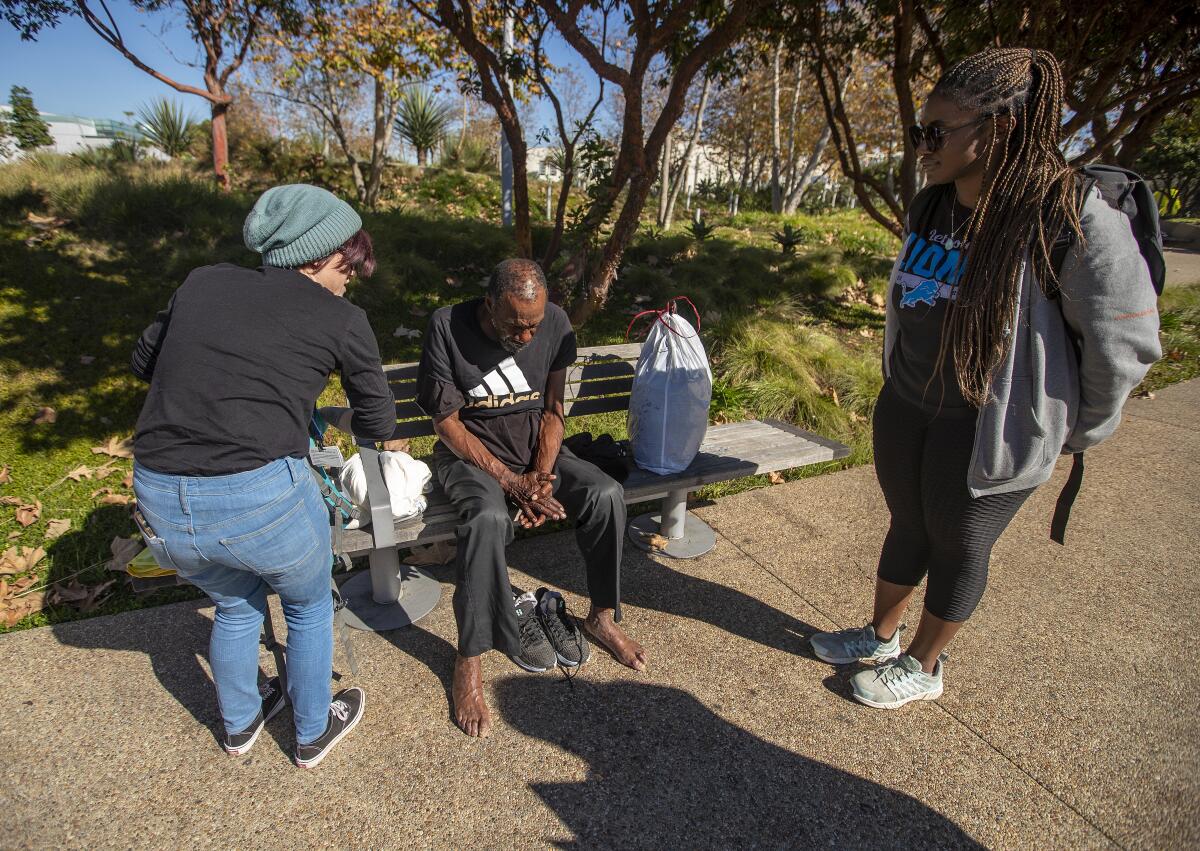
532 492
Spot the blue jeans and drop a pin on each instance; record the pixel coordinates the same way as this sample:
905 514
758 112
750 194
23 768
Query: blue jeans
234 537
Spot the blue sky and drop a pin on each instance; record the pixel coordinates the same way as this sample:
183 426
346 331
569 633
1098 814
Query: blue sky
71 71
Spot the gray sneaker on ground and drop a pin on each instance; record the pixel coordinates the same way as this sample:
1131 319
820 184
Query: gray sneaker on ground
854 645
897 682
537 654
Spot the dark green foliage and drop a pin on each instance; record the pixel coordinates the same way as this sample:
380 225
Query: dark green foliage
701 230
788 239
25 124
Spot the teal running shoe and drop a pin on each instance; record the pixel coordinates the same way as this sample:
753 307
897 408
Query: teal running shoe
897 682
854 645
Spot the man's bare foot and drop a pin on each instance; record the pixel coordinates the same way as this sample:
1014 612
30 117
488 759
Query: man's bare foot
470 711
601 626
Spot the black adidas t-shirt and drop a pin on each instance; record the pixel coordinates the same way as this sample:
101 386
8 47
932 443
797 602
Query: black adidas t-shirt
931 265
498 395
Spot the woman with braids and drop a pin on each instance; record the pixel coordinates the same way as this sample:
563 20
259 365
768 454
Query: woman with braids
994 363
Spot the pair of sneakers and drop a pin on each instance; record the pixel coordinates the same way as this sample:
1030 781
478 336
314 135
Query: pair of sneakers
345 711
549 635
897 680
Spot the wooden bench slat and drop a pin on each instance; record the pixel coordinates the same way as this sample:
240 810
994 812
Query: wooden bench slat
414 428
603 405
605 387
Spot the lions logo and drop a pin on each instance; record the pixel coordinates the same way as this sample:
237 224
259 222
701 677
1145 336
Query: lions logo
926 291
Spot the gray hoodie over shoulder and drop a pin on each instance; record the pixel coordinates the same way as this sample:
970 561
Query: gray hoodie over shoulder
1045 400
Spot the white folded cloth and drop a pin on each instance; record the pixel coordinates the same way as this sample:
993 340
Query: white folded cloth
407 479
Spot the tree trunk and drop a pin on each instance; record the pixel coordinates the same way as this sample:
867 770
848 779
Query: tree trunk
623 231
383 112
220 145
420 156
776 169
806 176
687 154
664 179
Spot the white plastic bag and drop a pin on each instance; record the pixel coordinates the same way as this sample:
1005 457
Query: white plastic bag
406 478
672 388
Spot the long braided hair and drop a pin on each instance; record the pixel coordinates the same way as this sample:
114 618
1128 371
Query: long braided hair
1028 197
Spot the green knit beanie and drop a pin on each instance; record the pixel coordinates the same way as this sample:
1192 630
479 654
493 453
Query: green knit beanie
297 224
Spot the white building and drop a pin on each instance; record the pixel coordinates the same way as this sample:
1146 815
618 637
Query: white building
73 133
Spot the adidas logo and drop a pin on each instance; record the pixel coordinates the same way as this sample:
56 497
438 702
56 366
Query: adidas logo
504 385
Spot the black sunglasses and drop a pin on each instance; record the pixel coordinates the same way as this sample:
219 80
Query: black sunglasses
934 137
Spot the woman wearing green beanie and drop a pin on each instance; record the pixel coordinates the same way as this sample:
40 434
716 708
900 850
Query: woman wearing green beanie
235 363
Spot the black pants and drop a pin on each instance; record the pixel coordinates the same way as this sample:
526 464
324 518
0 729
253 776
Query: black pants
937 528
483 604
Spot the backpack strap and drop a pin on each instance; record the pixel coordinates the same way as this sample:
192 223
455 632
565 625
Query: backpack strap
1084 183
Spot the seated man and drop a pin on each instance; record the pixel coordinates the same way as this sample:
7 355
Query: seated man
492 377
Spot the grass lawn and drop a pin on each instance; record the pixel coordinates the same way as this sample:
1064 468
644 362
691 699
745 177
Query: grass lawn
90 254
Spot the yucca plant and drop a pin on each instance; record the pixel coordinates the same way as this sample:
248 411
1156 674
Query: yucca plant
165 126
788 239
701 230
422 121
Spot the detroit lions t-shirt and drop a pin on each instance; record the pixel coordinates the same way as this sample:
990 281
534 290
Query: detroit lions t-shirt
931 265
498 395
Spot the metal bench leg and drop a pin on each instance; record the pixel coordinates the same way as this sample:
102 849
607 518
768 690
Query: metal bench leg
390 595
687 535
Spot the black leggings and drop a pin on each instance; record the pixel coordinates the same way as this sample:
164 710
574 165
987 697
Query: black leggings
937 527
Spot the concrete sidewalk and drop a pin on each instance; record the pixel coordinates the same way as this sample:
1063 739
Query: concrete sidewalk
1069 717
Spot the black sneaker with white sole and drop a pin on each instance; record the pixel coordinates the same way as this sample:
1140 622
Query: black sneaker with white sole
273 700
537 654
344 714
565 636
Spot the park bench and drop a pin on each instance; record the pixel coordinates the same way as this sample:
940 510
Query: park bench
392 594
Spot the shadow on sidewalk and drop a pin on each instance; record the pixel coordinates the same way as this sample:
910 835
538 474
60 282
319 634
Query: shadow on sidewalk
665 771
174 639
655 585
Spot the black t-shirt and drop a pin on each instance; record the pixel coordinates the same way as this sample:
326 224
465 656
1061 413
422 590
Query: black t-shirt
498 395
236 363
933 260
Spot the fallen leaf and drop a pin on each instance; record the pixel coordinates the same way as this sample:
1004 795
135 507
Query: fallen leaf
127 482
83 471
107 469
86 359
775 478
45 416
85 598
20 559
5 478
10 500
453 282
400 444
115 447
655 541
28 514
123 550
13 608
836 400
419 312
57 528
12 536
108 496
